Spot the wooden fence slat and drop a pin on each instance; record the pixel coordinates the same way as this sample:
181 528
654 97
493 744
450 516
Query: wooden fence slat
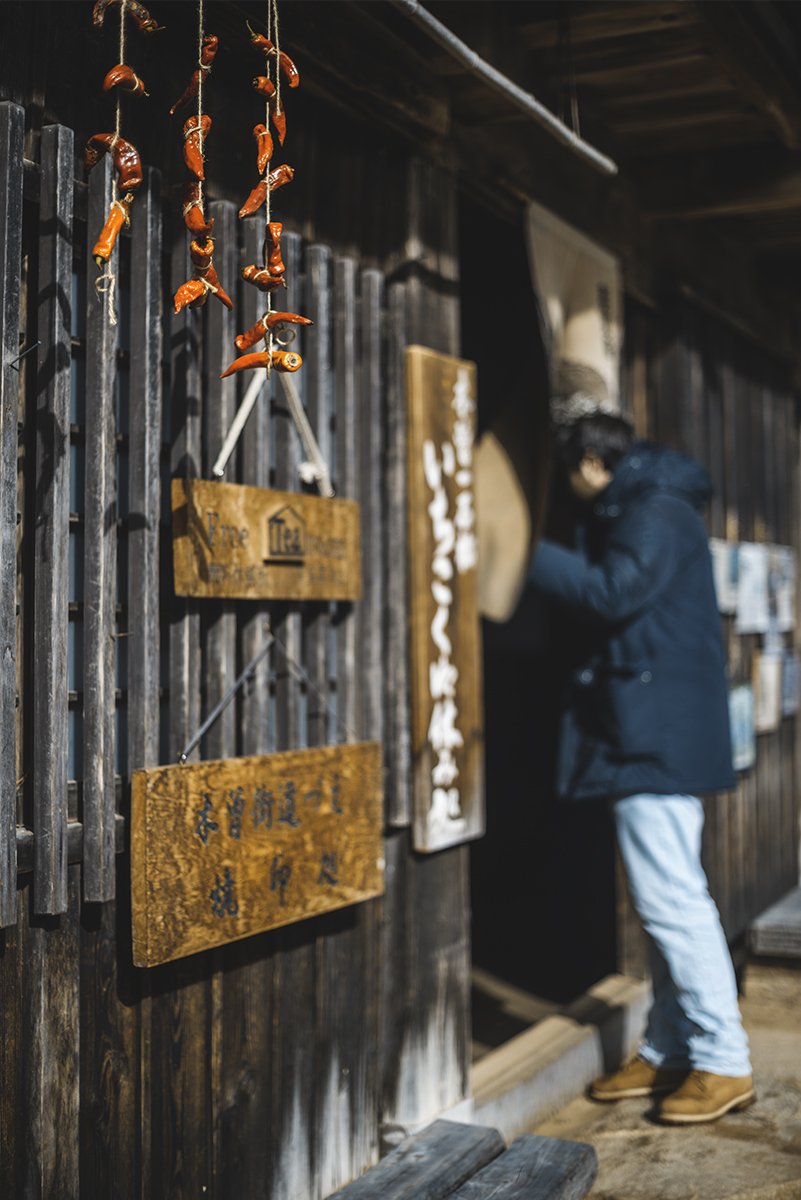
317 368
178 1066
370 713
52 522
398 717
258 733
348 461
287 456
293 1003
51 1036
145 477
12 128
219 616
185 460
347 1031
100 562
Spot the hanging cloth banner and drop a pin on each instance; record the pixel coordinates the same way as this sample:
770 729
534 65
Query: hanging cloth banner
578 286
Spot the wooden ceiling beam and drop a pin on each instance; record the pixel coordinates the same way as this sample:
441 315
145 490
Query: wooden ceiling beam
737 43
779 193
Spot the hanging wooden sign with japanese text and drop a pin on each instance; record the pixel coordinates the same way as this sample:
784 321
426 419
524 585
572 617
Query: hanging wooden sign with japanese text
256 544
224 849
447 725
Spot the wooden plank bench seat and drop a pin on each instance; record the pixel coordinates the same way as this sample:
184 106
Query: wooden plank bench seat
469 1162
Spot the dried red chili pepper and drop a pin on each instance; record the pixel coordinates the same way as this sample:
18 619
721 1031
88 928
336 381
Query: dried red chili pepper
276 179
260 42
144 22
271 320
261 278
210 47
126 79
193 151
127 162
264 146
117 217
193 216
279 360
191 294
272 248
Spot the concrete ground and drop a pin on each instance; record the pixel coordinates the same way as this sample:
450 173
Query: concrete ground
753 1155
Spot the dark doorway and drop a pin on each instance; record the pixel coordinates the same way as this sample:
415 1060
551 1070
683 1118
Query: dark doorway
542 878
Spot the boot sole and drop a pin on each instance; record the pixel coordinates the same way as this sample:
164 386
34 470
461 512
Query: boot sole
632 1093
737 1104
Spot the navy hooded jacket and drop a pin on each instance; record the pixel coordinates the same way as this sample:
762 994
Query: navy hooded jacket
647 705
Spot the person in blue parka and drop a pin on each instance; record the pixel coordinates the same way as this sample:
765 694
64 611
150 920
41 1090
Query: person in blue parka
645 725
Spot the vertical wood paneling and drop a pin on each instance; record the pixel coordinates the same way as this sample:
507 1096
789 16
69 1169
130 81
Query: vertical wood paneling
293 1073
12 124
397 702
145 477
179 1069
370 616
51 1038
100 565
258 737
144 636
52 523
246 1085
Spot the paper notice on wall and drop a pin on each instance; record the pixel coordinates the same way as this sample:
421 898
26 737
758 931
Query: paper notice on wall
767 692
725 561
741 719
781 587
753 611
578 286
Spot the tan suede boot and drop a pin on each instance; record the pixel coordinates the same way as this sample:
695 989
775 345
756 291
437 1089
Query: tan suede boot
705 1096
637 1078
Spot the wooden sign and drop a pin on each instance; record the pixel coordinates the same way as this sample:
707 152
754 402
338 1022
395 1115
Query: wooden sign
447 725
255 544
224 849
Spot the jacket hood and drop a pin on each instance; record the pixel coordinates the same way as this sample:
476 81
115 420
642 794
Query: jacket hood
648 468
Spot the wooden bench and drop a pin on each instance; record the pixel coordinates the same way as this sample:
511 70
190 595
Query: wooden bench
469 1162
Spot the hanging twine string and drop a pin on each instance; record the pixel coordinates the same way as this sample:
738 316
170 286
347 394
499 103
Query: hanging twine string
201 73
106 284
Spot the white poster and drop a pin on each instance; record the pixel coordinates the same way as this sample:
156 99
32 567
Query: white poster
791 683
580 294
753 611
767 692
781 587
725 563
741 717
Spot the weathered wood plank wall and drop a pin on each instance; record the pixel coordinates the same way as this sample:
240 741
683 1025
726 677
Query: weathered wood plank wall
265 1067
699 386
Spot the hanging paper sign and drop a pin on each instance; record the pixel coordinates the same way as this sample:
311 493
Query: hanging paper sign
224 849
253 543
447 725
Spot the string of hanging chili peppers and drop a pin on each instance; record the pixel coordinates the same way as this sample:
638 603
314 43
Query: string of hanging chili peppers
273 328
127 163
205 280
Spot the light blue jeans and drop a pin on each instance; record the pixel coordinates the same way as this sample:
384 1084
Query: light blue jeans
695 1019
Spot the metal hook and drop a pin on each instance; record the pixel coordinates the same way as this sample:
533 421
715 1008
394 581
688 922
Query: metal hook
24 354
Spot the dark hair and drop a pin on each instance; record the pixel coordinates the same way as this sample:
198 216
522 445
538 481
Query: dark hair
605 434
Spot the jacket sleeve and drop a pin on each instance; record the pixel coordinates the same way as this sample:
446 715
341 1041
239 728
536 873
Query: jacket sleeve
640 561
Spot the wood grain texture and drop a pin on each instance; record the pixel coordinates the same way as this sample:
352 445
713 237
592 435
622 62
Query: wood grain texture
52 523
535 1168
428 1166
144 632
397 694
100 563
12 123
253 543
244 845
51 1037
447 712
